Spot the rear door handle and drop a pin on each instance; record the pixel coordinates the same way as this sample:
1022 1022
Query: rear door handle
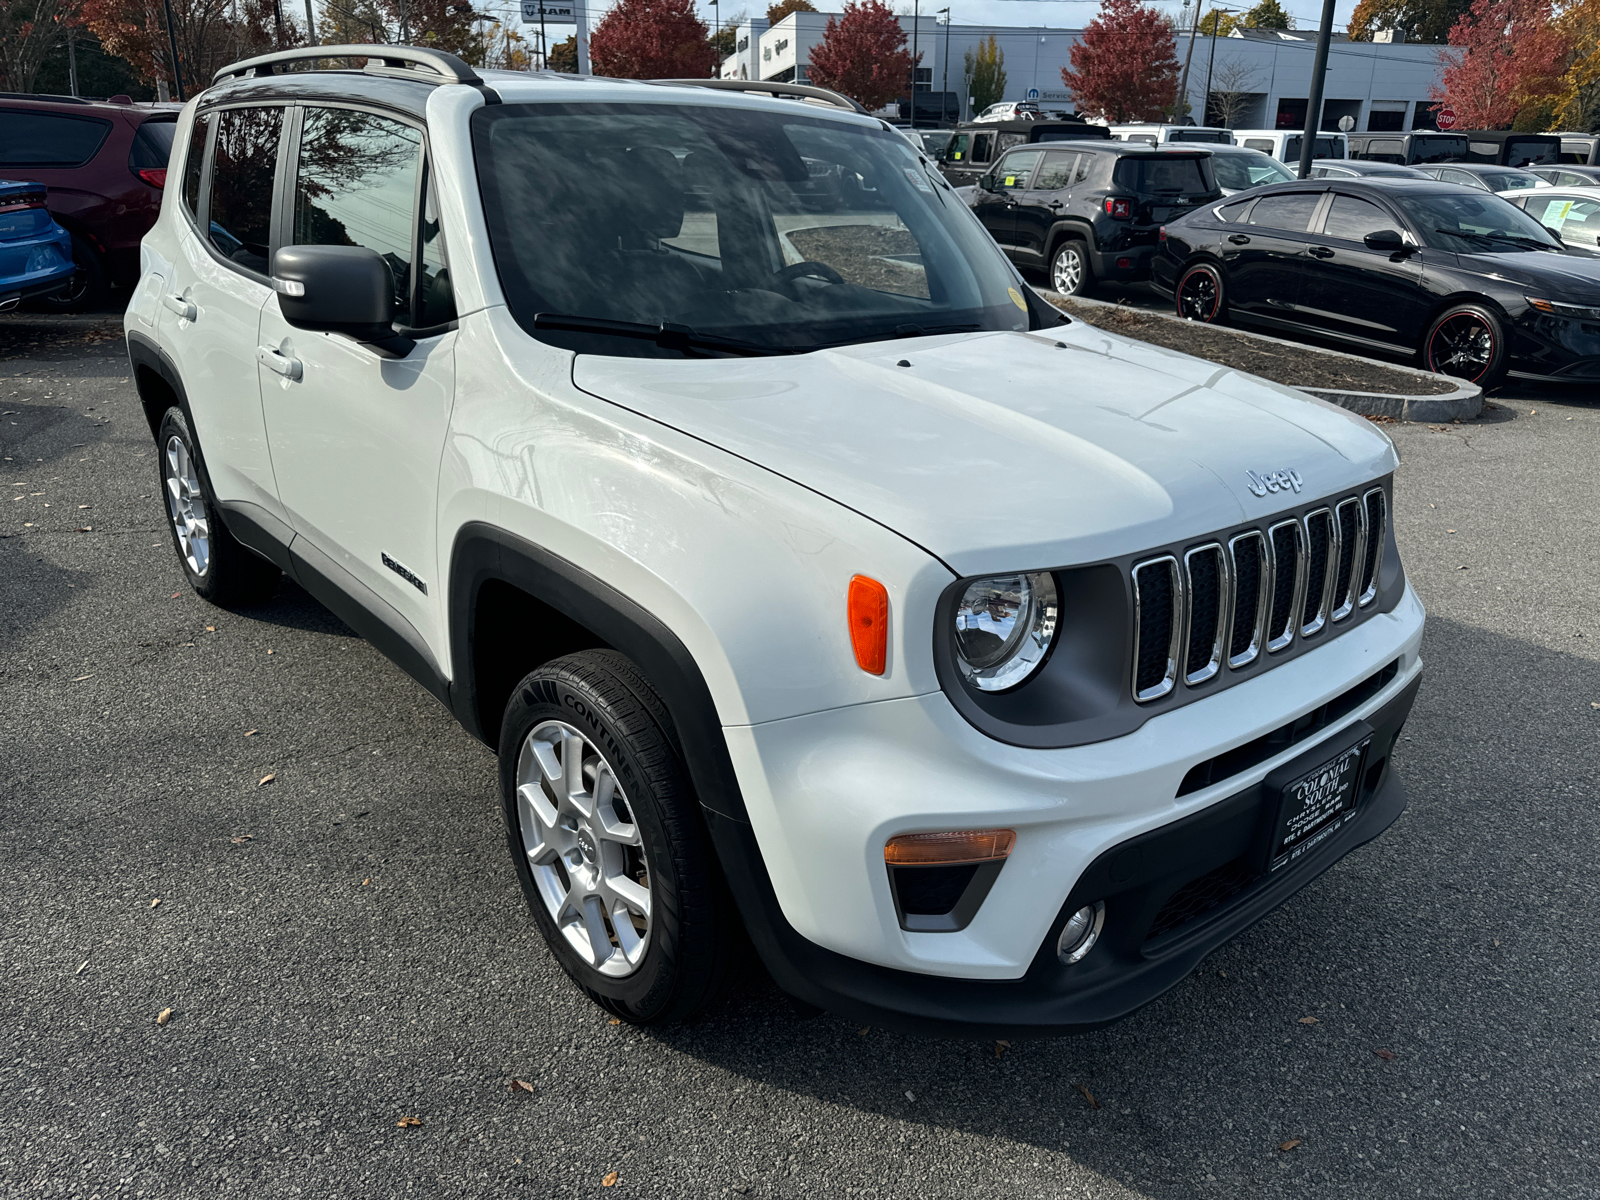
1055 204
1320 252
282 364
1239 239
184 308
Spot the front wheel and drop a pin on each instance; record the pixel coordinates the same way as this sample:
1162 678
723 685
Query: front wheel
1466 341
607 839
1070 273
1201 294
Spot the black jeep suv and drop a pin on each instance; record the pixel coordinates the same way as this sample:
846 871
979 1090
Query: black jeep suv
1089 211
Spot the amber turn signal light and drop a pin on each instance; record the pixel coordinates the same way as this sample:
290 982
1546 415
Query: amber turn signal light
868 609
948 849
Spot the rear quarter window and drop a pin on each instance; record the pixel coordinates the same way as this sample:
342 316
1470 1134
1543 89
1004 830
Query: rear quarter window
36 139
152 143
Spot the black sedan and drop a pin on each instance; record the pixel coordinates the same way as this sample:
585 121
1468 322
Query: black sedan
1470 284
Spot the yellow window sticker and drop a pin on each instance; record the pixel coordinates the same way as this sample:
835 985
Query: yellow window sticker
1016 298
956 157
1557 211
1011 181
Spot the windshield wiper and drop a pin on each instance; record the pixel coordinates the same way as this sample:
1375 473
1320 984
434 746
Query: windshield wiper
666 334
1530 243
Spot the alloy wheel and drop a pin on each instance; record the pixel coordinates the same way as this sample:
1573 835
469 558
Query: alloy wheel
1462 346
1197 296
186 506
584 848
1066 273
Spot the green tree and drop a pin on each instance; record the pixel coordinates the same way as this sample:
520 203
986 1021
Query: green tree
985 72
564 56
1269 14
1218 23
783 8
1419 20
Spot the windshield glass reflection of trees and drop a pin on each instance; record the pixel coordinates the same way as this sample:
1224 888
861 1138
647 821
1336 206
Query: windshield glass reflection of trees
770 230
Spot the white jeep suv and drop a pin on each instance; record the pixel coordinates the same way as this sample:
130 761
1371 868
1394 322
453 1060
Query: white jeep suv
698 450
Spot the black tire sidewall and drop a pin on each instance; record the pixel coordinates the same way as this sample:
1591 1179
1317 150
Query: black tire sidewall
554 693
1222 291
1496 369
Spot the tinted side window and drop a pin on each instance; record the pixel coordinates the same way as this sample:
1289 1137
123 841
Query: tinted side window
1235 211
1262 144
1007 140
35 139
957 151
152 143
1084 163
982 147
1352 219
1014 171
1391 150
1290 212
1057 171
243 162
356 185
193 162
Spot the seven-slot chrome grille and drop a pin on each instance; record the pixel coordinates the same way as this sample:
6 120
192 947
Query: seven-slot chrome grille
1223 604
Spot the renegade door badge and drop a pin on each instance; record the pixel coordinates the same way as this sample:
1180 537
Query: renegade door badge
404 573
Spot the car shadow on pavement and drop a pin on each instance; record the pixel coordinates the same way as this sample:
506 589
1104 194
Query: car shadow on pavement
1412 1002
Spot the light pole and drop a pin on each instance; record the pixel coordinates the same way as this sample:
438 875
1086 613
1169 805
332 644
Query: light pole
1319 72
1183 86
1212 61
716 28
944 81
914 22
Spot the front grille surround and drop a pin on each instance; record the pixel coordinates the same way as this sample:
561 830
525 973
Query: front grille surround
1222 605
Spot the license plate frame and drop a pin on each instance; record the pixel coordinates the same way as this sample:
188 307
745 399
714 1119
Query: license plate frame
1316 804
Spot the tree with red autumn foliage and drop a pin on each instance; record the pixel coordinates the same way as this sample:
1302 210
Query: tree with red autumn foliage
863 55
1125 66
652 39
1513 55
209 33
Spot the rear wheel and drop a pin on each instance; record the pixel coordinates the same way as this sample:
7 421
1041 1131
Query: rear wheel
606 836
1201 294
86 290
1070 273
1468 342
218 567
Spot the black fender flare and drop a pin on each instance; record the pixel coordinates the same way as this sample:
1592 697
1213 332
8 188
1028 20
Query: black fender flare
1070 227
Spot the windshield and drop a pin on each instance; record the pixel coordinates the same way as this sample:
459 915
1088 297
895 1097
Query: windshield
1467 223
1504 181
766 232
1322 147
1437 147
1236 172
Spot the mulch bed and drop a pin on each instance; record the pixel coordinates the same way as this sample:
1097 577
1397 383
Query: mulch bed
1281 364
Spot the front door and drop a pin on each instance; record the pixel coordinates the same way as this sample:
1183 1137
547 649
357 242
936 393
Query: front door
1263 281
996 204
211 304
357 436
1351 291
1040 206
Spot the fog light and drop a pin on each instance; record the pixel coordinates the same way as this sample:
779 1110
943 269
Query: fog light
1080 933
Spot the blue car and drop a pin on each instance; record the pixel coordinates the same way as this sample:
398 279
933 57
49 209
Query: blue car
35 252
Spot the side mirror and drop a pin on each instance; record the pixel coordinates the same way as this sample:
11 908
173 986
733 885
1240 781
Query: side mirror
339 289
1556 233
1385 241
986 182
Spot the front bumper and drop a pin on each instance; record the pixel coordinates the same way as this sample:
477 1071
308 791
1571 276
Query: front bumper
1201 866
1556 347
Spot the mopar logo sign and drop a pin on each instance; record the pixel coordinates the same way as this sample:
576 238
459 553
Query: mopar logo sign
1033 93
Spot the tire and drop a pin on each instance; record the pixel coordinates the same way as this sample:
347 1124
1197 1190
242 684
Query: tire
87 290
218 568
1466 341
1201 295
1070 272
585 862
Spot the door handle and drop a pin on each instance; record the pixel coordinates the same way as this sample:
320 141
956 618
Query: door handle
282 364
1239 239
1320 252
1055 204
177 304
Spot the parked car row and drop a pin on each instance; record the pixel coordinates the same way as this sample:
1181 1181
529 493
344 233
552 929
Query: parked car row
105 164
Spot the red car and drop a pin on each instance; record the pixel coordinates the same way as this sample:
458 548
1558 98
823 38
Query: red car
105 163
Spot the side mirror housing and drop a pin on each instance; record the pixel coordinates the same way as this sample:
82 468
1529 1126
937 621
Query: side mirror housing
338 289
986 182
1385 241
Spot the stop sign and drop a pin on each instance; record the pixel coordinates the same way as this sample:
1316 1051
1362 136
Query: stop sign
1446 118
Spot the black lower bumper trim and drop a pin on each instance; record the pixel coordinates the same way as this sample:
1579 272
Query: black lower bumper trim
1136 960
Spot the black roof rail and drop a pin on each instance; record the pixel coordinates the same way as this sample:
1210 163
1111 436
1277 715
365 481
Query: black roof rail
46 96
792 91
402 62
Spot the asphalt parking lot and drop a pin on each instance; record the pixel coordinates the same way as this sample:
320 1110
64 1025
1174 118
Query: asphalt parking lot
345 945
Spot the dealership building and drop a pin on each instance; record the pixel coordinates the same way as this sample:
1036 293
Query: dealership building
1380 85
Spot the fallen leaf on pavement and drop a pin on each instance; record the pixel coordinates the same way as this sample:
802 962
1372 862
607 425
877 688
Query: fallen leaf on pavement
1289 1145
81 966
251 732
614 1021
163 1016
81 678
242 838
1386 1055
85 506
175 595
366 881
521 1085
1594 704
211 628
1309 1021
266 779
153 903
85 528
409 1122
1000 1048
610 1180
269 651
864 1030
1089 1096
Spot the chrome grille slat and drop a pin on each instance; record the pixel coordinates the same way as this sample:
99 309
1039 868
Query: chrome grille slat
1255 610
1158 603
1226 603
1210 593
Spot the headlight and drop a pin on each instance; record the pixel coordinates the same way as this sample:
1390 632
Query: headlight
1004 627
1556 308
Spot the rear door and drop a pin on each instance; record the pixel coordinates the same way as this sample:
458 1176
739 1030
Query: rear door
1265 276
1350 291
211 303
1040 205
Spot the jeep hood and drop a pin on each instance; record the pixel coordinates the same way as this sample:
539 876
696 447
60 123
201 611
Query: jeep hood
1008 451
